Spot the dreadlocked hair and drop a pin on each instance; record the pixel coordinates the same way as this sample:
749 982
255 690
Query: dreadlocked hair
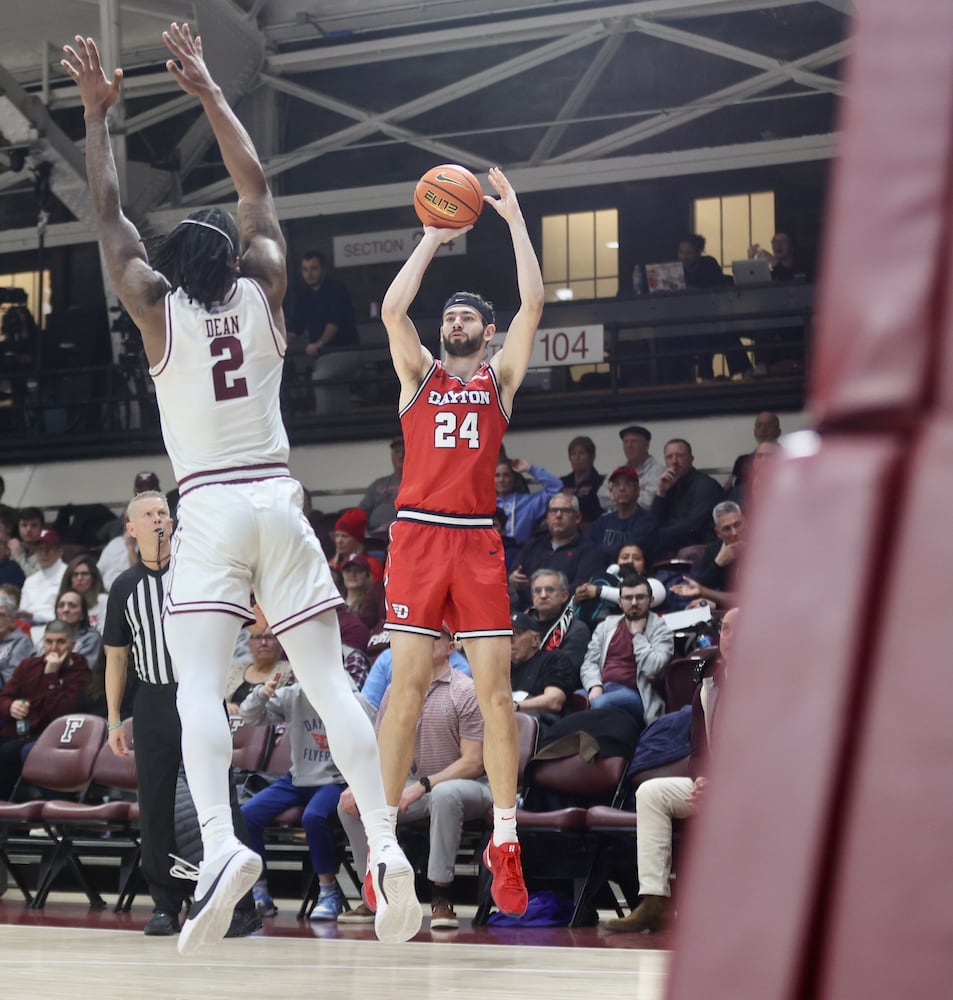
198 259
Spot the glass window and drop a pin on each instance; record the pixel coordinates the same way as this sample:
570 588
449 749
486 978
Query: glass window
732 223
580 255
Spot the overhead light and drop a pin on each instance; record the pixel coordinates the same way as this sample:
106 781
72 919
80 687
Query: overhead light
613 244
563 294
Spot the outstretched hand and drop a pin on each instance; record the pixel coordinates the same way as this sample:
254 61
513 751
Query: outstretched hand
191 73
506 205
83 64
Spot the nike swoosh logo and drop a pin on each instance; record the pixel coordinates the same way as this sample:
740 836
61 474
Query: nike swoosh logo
199 904
381 869
449 179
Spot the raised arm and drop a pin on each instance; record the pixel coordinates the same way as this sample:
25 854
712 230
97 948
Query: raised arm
262 242
511 362
411 359
140 289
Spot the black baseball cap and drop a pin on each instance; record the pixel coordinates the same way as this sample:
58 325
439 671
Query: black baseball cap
523 622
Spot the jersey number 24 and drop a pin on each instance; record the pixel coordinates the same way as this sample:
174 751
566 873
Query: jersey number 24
447 431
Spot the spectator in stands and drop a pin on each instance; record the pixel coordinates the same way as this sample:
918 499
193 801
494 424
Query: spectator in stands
363 596
13 592
628 522
784 267
685 500
314 782
660 800
523 510
561 630
378 501
29 525
83 576
625 652
41 689
635 448
760 458
267 661
562 548
354 632
598 598
767 427
38 599
447 783
543 681
701 271
71 607
10 569
349 533
379 677
584 480
322 331
511 547
15 647
715 581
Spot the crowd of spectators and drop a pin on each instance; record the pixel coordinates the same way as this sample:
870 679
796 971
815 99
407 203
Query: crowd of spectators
583 552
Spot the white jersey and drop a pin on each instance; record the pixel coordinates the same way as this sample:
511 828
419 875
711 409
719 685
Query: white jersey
217 387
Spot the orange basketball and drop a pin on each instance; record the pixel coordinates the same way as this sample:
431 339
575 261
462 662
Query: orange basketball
449 197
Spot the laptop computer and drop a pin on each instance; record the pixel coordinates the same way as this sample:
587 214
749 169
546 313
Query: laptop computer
753 271
665 277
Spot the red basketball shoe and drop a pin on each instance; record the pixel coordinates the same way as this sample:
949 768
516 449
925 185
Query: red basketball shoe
508 889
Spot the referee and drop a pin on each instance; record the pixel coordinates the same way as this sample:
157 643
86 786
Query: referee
133 623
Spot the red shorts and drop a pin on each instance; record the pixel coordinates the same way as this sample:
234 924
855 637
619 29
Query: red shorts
438 574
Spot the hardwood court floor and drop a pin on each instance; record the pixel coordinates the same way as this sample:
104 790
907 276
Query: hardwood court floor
66 949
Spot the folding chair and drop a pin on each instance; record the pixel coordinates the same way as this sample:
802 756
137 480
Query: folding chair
61 760
118 817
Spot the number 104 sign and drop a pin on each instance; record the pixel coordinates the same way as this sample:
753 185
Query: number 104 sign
571 345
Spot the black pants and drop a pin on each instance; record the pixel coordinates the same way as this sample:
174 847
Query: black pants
158 735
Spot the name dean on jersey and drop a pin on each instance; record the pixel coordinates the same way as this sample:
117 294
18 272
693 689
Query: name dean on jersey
221 326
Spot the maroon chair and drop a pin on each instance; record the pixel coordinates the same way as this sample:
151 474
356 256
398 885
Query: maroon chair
117 817
61 760
250 745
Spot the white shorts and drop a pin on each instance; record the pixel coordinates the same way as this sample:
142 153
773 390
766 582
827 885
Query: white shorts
242 537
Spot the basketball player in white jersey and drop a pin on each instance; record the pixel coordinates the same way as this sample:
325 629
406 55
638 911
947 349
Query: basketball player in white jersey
213 332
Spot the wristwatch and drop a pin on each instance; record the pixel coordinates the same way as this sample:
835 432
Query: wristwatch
425 781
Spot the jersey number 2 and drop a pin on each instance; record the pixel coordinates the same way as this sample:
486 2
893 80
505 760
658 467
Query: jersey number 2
446 432
231 347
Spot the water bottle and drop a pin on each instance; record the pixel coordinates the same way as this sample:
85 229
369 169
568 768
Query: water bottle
23 725
636 280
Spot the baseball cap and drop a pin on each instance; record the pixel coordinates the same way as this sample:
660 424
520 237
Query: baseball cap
145 481
358 561
636 429
523 622
47 537
624 470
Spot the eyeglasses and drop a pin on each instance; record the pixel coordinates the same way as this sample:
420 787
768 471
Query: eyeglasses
562 510
545 590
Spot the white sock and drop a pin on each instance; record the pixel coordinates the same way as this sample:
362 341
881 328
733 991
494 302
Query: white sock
504 825
218 834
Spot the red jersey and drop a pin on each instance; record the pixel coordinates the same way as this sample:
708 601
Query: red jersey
453 432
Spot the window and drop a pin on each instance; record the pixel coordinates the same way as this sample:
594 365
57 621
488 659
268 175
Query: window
581 255
731 224
29 282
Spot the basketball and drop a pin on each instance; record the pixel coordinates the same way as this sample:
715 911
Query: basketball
449 197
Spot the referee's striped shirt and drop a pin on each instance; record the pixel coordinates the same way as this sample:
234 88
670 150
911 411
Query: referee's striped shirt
133 619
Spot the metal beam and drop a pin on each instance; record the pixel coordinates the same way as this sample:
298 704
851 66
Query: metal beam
577 98
426 102
696 109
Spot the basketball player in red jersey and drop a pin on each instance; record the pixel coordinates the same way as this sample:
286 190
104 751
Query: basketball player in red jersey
445 561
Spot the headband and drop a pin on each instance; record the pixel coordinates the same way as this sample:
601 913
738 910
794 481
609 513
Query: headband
215 229
474 302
